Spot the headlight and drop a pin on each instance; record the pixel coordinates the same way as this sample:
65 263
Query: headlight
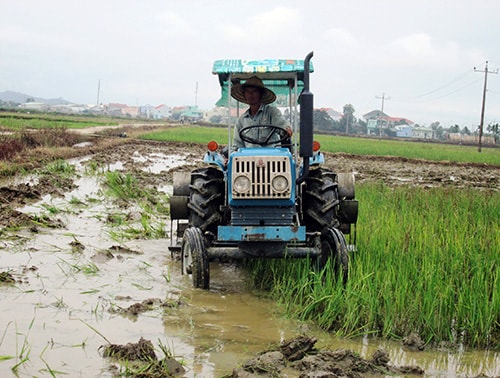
280 183
241 184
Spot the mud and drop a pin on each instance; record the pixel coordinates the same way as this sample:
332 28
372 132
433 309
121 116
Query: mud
67 285
299 358
144 351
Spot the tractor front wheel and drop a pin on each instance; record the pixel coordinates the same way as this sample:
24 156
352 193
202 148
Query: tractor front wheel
206 198
195 258
321 200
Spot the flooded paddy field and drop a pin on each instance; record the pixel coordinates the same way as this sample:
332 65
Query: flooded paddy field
79 273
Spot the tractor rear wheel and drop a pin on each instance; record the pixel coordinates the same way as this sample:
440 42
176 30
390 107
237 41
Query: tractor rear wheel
195 258
334 248
206 198
321 200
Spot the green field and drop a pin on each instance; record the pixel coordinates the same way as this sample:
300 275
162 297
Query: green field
351 145
19 121
427 262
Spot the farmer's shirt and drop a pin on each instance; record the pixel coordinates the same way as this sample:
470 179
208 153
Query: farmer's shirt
266 115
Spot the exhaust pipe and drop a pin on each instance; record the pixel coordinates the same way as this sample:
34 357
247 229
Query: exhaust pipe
306 122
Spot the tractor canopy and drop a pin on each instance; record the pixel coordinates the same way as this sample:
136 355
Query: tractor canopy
285 77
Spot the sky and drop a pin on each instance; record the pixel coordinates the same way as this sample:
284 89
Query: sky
418 59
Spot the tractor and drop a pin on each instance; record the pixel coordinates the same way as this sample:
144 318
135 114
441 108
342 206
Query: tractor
264 202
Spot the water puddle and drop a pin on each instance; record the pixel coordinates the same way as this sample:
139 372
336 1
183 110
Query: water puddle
73 285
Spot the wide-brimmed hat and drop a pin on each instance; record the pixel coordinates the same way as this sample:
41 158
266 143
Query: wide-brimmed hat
238 90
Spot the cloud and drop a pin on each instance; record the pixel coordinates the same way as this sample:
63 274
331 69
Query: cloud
422 51
170 24
341 38
268 27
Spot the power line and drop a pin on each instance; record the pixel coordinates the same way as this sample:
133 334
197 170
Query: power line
444 86
455 91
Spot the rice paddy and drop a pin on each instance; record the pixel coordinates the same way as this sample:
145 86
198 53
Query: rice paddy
427 262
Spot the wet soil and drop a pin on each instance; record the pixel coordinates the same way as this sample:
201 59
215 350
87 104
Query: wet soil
67 263
299 357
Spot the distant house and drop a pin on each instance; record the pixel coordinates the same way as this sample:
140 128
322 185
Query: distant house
187 113
161 112
115 109
376 120
374 114
147 111
423 132
398 121
335 115
131 111
403 131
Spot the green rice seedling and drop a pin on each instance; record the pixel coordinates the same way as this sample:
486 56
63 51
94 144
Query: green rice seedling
48 369
427 262
168 352
59 303
147 228
91 291
60 166
123 186
198 134
142 287
51 208
95 330
5 332
166 276
87 268
76 201
93 167
23 354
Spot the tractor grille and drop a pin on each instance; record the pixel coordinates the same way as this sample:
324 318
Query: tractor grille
261 171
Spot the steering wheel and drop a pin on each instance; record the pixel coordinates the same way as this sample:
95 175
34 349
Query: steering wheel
264 140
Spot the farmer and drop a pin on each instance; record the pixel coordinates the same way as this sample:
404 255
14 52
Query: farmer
254 93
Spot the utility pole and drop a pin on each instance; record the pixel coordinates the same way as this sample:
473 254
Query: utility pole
382 110
196 95
383 97
484 102
98 90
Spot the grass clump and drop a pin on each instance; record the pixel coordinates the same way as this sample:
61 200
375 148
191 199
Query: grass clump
123 186
147 221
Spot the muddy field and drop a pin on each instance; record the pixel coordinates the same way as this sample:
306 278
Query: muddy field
78 300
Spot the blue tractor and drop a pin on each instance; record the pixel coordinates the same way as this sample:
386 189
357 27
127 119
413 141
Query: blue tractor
265 202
